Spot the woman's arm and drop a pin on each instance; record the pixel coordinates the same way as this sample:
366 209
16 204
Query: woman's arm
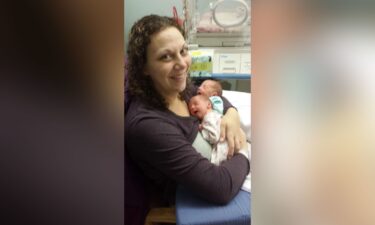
161 149
231 129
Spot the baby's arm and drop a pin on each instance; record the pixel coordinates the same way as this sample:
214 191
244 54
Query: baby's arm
211 127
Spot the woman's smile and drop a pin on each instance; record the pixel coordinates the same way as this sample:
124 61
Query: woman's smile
179 78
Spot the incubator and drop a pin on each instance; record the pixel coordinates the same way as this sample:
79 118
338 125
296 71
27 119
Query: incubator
218 35
217 23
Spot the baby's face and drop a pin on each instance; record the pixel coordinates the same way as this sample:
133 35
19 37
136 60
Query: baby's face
198 107
206 88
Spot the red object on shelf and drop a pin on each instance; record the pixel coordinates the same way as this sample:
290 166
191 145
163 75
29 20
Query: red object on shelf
175 16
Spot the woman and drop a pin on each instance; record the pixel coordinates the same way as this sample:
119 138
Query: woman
160 135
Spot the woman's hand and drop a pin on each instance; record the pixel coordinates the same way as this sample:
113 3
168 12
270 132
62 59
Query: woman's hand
230 130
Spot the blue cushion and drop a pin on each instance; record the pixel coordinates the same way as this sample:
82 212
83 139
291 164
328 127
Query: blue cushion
192 210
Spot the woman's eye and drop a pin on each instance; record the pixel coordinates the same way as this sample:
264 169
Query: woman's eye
184 51
166 57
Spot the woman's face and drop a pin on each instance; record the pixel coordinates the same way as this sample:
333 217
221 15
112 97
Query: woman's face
168 61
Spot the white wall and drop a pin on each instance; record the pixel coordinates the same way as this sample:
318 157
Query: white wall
136 9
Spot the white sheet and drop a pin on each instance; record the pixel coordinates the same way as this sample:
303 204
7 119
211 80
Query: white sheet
242 101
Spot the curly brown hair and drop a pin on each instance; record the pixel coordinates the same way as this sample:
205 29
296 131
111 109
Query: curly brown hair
141 85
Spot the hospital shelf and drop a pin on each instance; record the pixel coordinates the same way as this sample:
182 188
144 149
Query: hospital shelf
231 76
238 76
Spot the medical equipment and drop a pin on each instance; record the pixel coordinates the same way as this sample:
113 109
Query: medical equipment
218 23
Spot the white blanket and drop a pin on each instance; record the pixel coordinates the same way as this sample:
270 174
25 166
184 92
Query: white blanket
242 101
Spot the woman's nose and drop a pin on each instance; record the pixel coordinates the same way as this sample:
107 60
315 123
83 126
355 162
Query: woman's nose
181 62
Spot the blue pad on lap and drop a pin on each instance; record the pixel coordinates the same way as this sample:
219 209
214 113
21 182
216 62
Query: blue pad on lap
192 210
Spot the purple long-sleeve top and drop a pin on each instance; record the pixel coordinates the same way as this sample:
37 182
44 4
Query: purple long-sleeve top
160 143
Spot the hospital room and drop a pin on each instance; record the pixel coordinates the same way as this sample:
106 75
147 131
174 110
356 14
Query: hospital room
187 112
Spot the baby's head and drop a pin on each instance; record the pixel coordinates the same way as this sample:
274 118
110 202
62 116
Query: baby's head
210 88
199 105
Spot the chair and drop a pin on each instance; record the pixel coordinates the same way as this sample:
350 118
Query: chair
161 215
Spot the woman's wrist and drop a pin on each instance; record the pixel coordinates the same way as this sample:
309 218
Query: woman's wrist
245 151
